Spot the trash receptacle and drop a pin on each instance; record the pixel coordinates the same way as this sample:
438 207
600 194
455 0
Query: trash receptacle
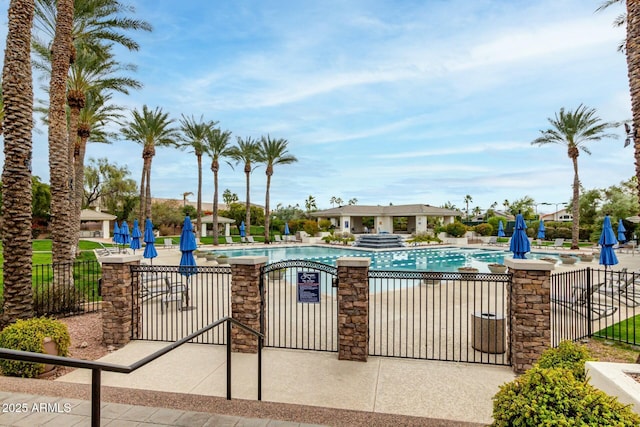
488 332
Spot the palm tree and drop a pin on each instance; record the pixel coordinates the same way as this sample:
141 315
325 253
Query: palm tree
506 205
310 204
272 152
574 129
352 201
216 146
633 65
467 200
333 200
247 152
151 129
620 19
17 89
194 136
339 201
63 250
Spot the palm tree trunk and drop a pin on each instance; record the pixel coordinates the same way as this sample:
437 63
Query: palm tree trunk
143 182
148 190
78 167
17 88
199 203
248 213
575 229
214 168
633 67
59 138
266 211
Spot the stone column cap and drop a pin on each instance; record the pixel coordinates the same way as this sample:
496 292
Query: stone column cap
119 258
528 264
353 261
248 260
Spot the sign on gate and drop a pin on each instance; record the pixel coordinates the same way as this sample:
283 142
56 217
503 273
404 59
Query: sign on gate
309 287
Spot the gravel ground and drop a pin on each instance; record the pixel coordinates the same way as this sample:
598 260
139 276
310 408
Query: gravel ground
86 343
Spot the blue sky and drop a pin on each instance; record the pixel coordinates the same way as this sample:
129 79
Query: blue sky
383 101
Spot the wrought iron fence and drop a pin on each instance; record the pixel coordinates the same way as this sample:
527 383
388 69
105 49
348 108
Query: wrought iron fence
172 302
595 303
66 289
288 323
439 316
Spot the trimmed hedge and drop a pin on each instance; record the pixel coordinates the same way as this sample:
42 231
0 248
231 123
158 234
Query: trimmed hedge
28 335
555 392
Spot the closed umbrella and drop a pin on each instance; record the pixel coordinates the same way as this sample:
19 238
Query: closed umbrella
124 233
242 231
187 261
621 230
149 239
606 242
541 230
500 229
136 234
116 233
519 241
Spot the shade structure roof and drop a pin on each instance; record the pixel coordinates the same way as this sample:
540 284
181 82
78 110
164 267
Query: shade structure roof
91 215
391 210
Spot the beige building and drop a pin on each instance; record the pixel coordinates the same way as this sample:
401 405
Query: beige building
350 218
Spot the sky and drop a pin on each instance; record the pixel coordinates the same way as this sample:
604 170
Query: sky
386 102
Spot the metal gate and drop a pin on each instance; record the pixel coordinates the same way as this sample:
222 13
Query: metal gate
291 319
445 316
171 303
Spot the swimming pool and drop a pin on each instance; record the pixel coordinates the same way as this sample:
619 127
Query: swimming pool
423 259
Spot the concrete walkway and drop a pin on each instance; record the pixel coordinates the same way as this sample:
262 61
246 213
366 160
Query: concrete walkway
442 390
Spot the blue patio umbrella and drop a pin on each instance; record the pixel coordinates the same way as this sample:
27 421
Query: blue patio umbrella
286 229
541 230
125 238
116 232
187 261
519 242
621 230
149 239
136 234
606 242
500 229
242 230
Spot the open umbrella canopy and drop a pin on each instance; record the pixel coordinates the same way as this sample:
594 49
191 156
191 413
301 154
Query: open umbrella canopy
286 229
621 231
541 230
500 229
116 232
124 233
519 242
149 240
187 246
242 229
607 241
136 234
634 219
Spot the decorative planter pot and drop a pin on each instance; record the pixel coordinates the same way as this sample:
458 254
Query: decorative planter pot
432 279
211 257
277 274
468 273
548 259
586 257
497 268
51 348
568 259
223 260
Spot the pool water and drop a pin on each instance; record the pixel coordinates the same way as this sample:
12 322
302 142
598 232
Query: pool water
423 259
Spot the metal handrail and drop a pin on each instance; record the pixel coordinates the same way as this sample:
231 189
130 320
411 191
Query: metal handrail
98 367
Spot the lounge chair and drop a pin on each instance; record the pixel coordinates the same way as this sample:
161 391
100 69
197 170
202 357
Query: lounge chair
249 239
579 298
558 243
622 286
278 238
493 240
159 285
229 240
168 243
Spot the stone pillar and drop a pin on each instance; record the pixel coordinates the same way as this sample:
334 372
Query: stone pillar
246 301
119 306
353 308
529 311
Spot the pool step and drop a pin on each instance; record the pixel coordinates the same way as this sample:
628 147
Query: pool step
379 241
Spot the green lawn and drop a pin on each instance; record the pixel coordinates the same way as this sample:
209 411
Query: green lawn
625 331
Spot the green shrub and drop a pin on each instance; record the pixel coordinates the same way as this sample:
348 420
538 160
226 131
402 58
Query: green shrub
568 355
28 335
456 229
554 397
324 224
311 227
484 229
